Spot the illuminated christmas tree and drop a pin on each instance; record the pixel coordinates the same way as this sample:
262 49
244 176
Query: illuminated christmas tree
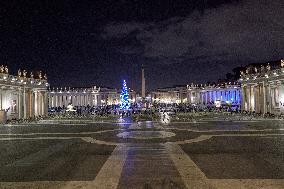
124 101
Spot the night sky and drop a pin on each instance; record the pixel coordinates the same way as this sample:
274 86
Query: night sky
86 43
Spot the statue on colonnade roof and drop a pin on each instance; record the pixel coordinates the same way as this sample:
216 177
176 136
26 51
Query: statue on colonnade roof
2 69
6 70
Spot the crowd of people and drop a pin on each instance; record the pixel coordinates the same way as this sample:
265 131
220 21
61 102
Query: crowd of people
184 108
153 111
173 108
86 111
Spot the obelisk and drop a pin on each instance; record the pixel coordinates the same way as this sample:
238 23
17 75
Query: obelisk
143 84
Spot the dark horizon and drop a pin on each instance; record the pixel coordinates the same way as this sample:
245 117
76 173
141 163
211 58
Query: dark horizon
82 44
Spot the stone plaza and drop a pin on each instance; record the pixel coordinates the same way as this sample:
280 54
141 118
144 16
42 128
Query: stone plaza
206 153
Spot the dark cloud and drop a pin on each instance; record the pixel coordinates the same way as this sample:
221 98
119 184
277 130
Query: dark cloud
249 31
85 43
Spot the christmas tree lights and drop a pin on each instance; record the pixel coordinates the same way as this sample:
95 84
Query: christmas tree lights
124 101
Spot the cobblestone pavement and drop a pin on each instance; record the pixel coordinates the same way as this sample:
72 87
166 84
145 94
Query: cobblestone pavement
84 154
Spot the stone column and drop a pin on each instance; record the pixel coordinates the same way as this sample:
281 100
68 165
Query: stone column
92 100
28 103
187 96
41 109
1 98
243 100
232 95
69 100
269 108
253 98
63 100
45 100
56 100
236 96
50 100
76 100
40 101
60 100
281 96
264 97
24 103
53 101
19 105
257 99
228 93
272 95
35 103
98 100
248 97
66 100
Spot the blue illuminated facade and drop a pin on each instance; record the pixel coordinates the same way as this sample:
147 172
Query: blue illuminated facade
227 93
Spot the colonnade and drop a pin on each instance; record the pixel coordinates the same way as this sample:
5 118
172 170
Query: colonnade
76 99
210 94
22 102
263 97
227 95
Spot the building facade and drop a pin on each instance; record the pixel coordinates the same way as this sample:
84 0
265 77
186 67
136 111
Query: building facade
22 96
263 87
171 95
